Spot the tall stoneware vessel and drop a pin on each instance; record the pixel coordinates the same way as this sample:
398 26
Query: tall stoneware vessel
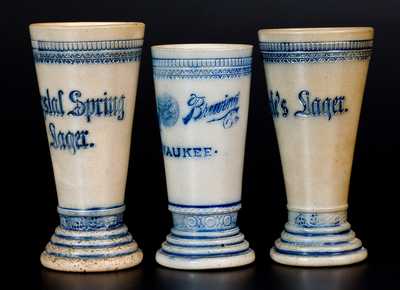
316 80
87 75
202 93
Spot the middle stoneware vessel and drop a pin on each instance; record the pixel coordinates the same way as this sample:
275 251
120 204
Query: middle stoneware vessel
202 93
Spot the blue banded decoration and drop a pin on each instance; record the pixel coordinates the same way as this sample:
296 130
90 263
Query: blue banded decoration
91 256
204 231
92 219
91 223
87 52
201 68
91 245
317 220
204 223
189 257
94 233
309 234
204 218
318 51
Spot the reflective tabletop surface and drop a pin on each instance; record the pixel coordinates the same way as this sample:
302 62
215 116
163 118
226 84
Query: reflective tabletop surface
262 275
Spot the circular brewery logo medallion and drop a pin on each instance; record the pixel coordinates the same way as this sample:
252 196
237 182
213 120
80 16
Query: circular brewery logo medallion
168 110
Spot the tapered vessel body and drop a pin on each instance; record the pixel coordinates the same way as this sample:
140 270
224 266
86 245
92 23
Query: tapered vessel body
87 75
202 93
316 80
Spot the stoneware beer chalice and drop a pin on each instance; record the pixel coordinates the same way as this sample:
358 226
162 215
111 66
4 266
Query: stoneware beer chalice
87 75
316 79
202 94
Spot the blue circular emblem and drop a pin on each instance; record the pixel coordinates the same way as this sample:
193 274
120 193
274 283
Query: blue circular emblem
168 110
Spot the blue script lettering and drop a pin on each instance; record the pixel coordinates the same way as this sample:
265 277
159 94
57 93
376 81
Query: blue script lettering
71 141
327 107
188 152
100 107
277 105
226 110
52 105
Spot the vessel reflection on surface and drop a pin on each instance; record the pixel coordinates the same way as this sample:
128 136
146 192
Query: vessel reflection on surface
132 279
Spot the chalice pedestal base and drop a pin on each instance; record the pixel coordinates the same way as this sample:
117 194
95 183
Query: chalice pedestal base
205 238
205 252
318 240
91 241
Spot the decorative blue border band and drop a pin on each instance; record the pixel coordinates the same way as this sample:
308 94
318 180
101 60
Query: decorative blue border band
204 223
321 51
91 223
317 220
87 52
201 68
204 218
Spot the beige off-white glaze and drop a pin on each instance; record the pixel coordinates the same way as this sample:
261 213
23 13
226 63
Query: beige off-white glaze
213 182
185 179
317 153
94 177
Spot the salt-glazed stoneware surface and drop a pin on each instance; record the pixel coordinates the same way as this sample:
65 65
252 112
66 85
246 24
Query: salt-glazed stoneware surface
202 93
316 80
87 75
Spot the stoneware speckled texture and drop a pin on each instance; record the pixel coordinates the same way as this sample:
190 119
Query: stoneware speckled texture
316 80
202 93
87 75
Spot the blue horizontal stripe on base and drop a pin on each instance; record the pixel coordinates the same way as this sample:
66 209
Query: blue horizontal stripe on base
113 245
91 256
322 243
211 231
316 254
205 206
100 238
319 227
92 208
204 246
202 237
318 234
108 237
203 256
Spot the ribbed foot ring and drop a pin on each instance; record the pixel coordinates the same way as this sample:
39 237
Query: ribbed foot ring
91 240
96 251
318 240
205 252
91 265
319 261
205 237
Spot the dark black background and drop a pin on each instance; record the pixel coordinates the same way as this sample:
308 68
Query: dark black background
27 186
